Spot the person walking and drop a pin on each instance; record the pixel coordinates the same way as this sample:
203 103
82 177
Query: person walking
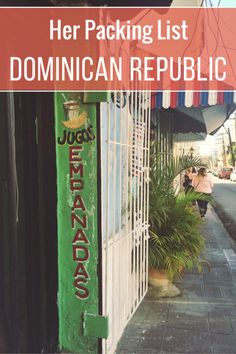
187 183
202 183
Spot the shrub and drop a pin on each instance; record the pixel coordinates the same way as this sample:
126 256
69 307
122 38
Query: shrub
175 239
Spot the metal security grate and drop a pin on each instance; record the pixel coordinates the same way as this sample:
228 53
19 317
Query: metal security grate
125 127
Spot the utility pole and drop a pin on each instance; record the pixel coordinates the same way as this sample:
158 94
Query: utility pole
230 146
224 154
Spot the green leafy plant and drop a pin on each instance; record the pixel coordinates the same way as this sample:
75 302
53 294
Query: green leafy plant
175 239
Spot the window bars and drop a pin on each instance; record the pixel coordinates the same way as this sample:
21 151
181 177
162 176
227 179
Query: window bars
125 130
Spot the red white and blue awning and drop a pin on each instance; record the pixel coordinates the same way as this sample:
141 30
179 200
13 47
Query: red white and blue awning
171 99
209 109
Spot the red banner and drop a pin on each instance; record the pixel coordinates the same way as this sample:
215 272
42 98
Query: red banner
98 49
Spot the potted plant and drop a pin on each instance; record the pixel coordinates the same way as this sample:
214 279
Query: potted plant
175 240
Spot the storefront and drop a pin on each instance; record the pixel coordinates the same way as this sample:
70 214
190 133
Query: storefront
74 250
75 218
102 178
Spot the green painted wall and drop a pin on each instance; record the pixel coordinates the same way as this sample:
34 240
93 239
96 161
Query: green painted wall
77 221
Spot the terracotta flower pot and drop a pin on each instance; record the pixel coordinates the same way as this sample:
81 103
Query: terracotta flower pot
163 287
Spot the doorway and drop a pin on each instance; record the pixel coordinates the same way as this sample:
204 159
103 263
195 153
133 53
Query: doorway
29 230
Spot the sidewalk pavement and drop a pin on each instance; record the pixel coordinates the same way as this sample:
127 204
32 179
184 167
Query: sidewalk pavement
203 319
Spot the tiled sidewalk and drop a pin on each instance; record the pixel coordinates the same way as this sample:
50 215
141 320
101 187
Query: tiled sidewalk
203 319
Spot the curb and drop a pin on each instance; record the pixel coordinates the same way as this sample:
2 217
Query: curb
229 224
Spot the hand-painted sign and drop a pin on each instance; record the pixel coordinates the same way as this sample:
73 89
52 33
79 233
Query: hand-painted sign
80 136
76 149
79 223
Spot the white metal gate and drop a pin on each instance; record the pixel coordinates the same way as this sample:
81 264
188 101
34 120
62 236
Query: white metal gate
125 127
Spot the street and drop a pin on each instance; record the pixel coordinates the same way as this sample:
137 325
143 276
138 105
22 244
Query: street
224 194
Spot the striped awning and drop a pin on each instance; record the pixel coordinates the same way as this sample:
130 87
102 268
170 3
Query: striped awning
171 99
207 110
